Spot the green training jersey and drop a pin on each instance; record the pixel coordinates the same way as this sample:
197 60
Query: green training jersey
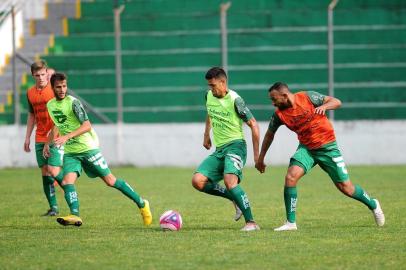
226 116
68 115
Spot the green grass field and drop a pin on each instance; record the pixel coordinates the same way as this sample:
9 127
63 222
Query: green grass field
335 232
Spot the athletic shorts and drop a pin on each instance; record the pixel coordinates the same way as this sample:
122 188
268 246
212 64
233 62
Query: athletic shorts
328 157
227 159
92 162
55 159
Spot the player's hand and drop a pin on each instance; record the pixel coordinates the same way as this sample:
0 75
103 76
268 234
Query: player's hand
320 110
45 152
61 140
260 166
207 142
27 145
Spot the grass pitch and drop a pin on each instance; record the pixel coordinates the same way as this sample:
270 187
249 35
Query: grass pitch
335 232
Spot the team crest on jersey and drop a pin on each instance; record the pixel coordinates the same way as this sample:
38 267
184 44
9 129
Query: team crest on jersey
59 116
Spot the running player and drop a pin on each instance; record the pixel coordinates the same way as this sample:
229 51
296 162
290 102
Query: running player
82 152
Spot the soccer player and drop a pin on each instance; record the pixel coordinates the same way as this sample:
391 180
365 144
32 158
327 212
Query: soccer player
37 97
82 152
305 114
226 111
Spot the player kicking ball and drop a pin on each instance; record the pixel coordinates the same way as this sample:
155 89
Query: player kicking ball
305 114
226 112
82 152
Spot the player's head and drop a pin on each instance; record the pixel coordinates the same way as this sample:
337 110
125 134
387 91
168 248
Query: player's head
39 72
217 81
279 94
59 85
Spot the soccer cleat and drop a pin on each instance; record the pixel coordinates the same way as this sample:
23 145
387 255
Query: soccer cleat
238 212
146 213
288 226
51 213
252 226
378 214
70 220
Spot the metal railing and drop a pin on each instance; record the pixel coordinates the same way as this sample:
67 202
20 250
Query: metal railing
330 35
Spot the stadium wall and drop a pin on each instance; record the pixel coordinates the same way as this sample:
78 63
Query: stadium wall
361 142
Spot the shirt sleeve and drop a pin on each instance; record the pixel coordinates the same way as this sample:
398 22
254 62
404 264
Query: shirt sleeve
242 110
275 123
30 108
79 111
316 98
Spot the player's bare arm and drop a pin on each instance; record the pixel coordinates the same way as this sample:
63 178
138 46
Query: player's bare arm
85 127
329 103
30 128
252 123
53 133
268 139
206 138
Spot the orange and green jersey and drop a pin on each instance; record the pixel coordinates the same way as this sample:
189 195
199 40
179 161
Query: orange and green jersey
313 130
37 104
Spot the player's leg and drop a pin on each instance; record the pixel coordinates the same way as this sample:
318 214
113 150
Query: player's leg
72 168
47 181
202 183
129 192
292 177
95 165
55 162
71 197
332 162
241 200
207 176
300 163
49 191
235 156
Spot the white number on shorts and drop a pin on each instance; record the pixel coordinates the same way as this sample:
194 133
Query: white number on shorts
340 163
101 162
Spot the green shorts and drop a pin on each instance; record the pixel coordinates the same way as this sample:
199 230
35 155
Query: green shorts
328 157
92 162
55 159
227 159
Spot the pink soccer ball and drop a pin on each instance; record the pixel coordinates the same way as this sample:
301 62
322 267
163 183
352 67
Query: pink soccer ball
170 221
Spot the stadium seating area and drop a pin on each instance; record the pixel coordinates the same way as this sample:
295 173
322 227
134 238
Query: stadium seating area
169 44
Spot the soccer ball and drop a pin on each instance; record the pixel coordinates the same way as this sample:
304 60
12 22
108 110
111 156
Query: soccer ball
170 221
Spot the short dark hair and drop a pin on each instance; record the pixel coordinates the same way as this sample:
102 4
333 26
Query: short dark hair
38 65
57 77
216 73
278 86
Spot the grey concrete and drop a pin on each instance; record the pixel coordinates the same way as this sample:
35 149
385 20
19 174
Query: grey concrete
361 142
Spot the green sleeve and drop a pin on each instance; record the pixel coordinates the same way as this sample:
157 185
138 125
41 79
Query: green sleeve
30 108
242 110
275 123
79 111
316 98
